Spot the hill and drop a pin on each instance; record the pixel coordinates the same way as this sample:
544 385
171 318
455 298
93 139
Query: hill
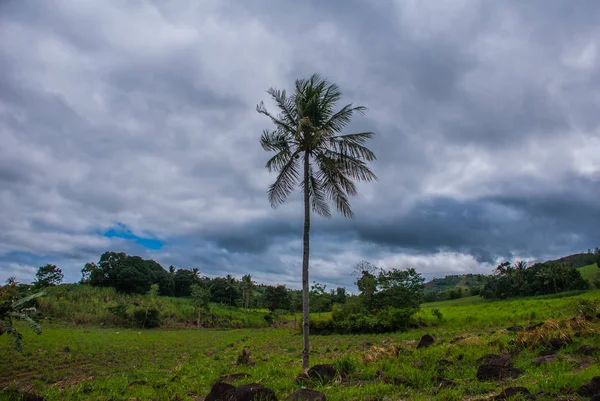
576 260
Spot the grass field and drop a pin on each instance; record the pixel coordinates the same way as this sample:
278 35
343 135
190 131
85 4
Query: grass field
77 363
590 272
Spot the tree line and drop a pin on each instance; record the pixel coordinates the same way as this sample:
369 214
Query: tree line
133 274
518 279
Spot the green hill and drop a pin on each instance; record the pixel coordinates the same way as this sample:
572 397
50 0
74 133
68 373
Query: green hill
590 272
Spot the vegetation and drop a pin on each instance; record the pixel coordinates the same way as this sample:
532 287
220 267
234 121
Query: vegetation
311 152
387 301
542 278
81 363
14 308
47 276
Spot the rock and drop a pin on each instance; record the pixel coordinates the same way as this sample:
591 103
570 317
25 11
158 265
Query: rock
534 326
509 392
494 372
326 372
234 377
495 360
426 341
221 392
540 360
515 329
558 343
586 350
253 392
591 388
305 394
443 382
400 380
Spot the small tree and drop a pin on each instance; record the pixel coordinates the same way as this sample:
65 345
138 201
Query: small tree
201 301
248 289
48 275
11 310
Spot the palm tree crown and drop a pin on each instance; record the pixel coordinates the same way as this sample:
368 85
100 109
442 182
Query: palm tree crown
309 126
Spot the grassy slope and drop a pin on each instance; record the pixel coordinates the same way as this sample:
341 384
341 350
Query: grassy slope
88 305
102 363
590 272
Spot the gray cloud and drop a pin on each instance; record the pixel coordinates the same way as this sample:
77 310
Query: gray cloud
142 114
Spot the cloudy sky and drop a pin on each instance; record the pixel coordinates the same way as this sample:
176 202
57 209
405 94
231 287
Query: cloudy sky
131 126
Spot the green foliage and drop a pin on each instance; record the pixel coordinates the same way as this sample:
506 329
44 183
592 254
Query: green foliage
117 363
539 279
388 319
14 309
119 310
88 305
147 318
436 312
48 275
277 297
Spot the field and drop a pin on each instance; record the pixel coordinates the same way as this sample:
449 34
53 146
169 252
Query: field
590 272
69 362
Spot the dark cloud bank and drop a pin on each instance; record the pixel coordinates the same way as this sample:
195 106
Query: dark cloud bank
140 117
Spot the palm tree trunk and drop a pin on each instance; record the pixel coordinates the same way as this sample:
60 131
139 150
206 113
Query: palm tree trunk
305 253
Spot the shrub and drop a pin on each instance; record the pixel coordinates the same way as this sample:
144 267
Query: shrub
386 320
147 317
119 310
436 312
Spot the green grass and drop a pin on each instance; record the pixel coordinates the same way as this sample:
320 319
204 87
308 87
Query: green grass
590 272
82 304
81 363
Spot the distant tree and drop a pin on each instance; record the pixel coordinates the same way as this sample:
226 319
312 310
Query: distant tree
11 281
90 273
597 254
311 151
277 297
196 273
231 288
247 290
110 263
402 289
340 295
48 275
319 297
201 300
183 281
367 285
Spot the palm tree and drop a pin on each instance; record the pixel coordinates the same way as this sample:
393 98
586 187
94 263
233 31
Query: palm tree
247 287
231 285
311 152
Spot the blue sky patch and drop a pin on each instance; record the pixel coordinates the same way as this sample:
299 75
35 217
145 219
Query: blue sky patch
122 231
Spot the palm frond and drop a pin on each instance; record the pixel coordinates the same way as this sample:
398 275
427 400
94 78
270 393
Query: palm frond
277 121
338 121
285 104
352 145
284 184
317 195
32 323
335 185
23 301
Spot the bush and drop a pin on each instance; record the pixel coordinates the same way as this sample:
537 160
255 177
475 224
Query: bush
386 320
119 310
147 317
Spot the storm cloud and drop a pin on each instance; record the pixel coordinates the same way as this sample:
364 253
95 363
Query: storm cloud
131 126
